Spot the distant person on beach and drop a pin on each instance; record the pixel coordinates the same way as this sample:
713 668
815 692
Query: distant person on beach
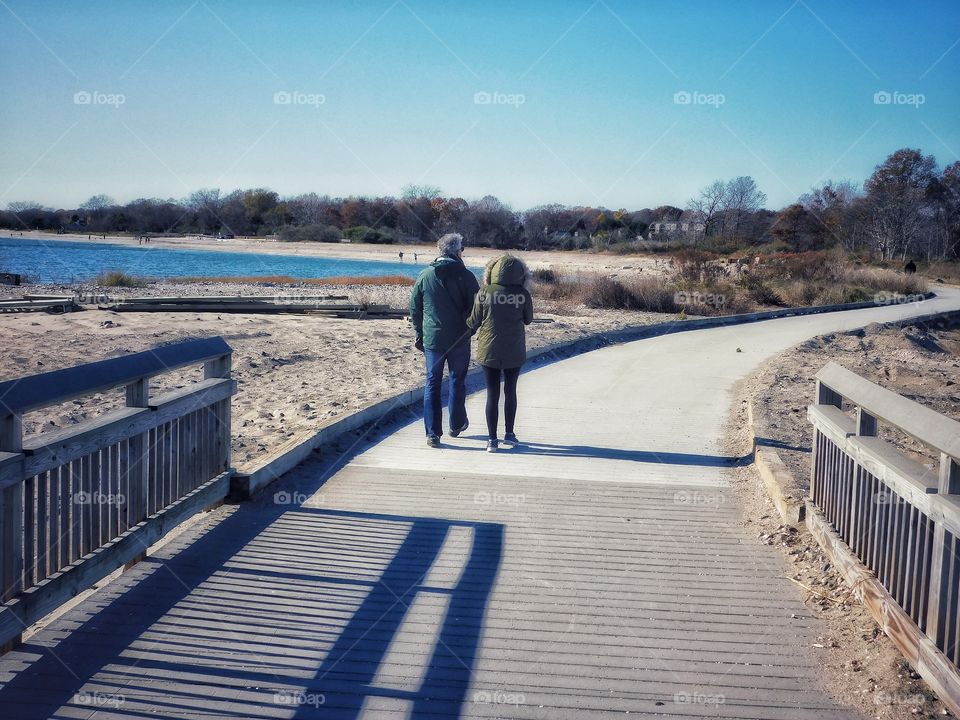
439 305
501 311
401 255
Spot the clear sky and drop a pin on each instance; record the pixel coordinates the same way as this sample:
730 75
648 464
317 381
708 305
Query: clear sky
578 100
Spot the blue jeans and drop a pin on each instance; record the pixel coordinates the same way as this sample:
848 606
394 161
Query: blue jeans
457 360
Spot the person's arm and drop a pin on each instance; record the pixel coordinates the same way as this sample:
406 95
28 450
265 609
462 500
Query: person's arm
416 312
527 308
470 286
475 320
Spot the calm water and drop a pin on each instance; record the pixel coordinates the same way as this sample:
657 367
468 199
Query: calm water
53 261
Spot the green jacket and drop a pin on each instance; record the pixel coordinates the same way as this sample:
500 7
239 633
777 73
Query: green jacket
440 303
501 311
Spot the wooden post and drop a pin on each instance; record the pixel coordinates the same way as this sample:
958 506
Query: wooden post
949 475
866 423
939 597
826 396
138 395
220 368
11 522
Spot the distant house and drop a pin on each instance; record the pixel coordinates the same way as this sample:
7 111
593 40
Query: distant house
690 225
75 226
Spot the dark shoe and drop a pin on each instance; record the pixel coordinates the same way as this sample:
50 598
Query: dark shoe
511 439
492 445
456 433
433 441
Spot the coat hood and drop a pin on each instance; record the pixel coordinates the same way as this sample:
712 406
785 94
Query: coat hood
506 270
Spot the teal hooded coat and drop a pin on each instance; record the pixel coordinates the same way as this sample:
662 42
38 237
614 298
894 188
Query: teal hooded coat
440 303
501 311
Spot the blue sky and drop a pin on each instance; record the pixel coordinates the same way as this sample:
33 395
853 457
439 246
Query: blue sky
156 99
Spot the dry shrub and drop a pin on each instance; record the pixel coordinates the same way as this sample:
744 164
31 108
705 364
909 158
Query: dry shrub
119 278
547 276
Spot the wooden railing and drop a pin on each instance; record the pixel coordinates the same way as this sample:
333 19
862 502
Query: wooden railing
891 524
78 503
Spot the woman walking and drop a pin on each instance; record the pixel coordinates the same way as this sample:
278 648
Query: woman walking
501 310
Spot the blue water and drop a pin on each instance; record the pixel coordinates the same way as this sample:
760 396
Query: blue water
55 261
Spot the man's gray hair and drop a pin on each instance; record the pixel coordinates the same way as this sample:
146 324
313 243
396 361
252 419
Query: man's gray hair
450 244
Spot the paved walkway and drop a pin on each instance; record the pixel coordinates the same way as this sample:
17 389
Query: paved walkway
598 571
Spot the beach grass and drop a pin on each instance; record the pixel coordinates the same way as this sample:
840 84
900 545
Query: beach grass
119 278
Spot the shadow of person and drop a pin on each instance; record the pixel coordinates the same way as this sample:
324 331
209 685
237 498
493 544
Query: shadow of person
653 457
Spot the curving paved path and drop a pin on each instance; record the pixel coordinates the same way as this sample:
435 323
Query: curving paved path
599 571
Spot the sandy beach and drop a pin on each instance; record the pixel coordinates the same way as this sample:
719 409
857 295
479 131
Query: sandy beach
294 371
473 256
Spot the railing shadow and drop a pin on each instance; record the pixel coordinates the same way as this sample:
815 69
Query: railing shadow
303 612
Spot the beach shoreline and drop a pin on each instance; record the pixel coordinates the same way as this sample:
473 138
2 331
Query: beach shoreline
473 256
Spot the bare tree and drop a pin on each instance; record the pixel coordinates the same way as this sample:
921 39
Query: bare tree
899 196
710 205
743 198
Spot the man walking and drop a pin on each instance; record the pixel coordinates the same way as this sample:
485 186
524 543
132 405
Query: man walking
440 302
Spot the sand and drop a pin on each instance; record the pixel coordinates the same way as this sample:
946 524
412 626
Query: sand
294 371
473 256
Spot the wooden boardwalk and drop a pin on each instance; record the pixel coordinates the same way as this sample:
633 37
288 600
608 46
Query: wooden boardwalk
601 570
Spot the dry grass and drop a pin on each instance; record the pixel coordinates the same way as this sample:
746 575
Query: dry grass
119 279
699 284
400 280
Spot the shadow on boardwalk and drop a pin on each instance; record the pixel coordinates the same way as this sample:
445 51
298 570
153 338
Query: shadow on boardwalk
606 453
299 613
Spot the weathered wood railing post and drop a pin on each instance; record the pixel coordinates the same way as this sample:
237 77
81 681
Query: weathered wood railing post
11 517
221 368
824 396
940 575
138 478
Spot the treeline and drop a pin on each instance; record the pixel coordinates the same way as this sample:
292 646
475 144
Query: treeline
906 208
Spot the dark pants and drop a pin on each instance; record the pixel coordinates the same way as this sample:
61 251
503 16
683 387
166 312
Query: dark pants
493 376
457 360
